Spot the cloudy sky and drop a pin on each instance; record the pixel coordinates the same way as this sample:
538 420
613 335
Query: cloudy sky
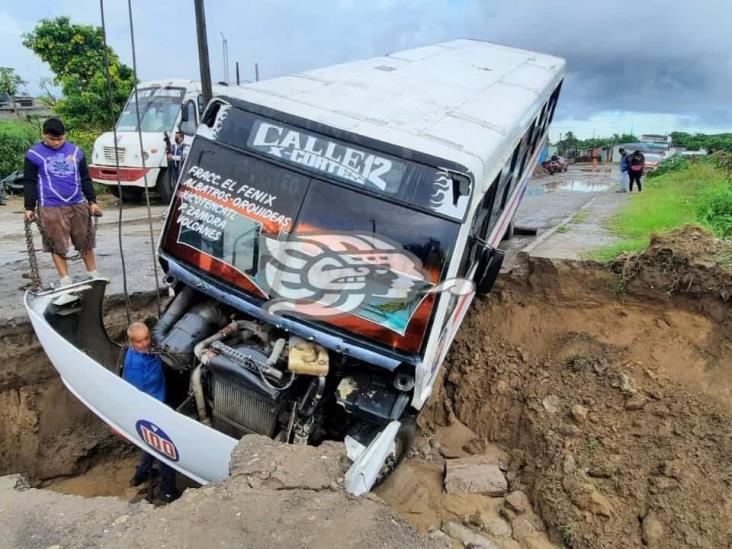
651 66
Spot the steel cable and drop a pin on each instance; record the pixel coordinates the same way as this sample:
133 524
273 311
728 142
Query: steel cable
116 164
142 158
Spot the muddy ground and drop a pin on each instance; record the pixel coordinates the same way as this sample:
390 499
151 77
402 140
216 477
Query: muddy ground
45 432
602 393
611 390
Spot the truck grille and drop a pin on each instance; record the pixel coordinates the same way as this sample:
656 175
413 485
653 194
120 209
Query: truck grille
109 154
235 404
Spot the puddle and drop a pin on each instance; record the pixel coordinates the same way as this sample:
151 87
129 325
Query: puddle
535 191
578 186
569 185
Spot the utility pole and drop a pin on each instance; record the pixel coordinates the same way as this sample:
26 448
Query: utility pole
225 50
238 81
256 72
203 51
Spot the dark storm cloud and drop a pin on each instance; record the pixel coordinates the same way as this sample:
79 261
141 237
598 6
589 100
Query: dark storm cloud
656 56
652 56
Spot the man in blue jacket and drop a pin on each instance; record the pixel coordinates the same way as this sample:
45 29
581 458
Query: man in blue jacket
144 370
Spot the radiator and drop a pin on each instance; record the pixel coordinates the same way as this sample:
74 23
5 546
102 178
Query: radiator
244 408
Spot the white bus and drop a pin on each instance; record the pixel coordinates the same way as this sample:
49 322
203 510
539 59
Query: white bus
166 106
327 235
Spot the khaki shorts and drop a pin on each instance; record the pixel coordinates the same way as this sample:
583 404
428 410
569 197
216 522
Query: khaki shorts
63 223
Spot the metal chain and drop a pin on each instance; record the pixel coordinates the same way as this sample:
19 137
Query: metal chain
35 274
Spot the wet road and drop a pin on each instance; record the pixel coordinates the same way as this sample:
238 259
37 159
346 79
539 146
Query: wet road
549 199
136 246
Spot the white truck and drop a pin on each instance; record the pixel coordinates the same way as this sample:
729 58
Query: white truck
166 106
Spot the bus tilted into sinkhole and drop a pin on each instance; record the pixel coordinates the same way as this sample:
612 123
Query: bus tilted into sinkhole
326 237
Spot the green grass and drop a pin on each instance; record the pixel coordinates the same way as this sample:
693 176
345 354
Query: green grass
699 194
562 228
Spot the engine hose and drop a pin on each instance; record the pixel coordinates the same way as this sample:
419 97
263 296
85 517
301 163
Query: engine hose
274 356
230 329
243 359
313 404
172 314
197 389
256 329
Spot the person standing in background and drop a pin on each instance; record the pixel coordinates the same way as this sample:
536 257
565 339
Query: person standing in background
636 166
623 169
177 156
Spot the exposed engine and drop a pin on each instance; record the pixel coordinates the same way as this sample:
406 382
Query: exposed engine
249 377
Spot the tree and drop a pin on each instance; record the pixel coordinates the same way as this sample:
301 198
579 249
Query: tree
48 97
10 83
75 54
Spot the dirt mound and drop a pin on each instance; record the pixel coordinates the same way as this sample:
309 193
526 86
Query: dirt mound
614 408
46 432
686 261
263 505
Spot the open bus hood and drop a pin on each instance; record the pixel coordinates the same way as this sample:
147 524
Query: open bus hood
68 324
78 346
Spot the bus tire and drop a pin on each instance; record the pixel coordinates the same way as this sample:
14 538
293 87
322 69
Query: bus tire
129 195
165 186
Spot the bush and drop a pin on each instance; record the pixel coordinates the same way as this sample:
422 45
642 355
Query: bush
715 209
15 139
673 163
84 139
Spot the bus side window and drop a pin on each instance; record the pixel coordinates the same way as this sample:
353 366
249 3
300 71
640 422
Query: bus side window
507 179
188 126
480 228
553 101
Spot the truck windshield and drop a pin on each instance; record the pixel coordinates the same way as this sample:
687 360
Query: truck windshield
232 207
159 108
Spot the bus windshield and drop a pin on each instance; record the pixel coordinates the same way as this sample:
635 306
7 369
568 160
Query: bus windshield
159 108
235 213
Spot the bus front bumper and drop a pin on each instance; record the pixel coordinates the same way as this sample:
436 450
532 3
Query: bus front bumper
68 324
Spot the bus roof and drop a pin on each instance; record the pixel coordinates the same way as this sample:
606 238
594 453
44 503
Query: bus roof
169 82
466 101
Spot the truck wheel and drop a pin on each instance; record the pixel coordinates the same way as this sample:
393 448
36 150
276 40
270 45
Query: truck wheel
165 186
129 194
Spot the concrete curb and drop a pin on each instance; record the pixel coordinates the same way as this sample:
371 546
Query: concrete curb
527 251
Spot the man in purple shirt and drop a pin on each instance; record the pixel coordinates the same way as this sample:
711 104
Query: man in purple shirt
56 179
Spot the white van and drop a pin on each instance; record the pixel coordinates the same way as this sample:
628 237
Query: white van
327 236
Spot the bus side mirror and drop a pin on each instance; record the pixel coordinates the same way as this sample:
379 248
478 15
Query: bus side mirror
489 266
184 112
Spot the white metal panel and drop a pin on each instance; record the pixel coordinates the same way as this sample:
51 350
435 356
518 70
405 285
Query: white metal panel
530 77
416 54
204 453
517 106
427 86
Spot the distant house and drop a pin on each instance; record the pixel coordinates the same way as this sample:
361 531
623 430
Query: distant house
21 107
